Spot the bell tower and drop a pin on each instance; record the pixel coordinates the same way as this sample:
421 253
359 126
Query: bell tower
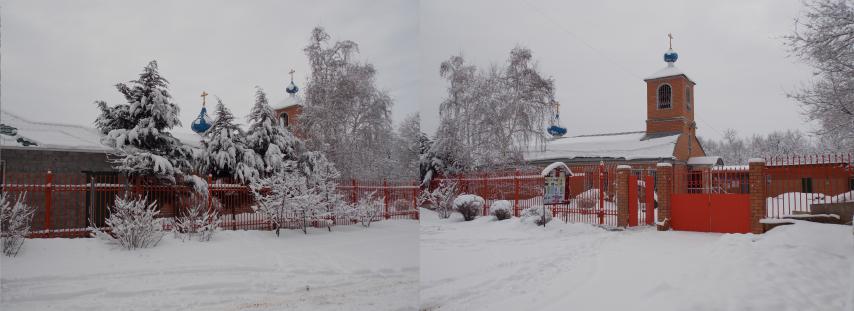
669 99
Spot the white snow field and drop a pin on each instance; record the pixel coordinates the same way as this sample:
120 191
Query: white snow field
510 265
351 268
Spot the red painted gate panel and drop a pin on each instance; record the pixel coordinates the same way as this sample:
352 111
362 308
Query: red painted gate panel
725 213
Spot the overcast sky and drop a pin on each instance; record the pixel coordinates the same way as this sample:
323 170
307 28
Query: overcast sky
598 52
60 56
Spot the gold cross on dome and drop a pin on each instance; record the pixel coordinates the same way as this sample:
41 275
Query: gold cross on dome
203 97
670 40
292 74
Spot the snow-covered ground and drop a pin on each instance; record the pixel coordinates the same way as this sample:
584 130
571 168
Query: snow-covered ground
351 268
509 265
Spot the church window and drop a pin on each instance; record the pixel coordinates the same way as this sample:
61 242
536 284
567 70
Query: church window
664 97
283 118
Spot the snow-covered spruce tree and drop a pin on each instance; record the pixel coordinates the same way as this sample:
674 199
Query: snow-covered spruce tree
824 39
139 129
441 198
270 140
134 223
198 220
15 220
322 176
284 196
227 154
345 115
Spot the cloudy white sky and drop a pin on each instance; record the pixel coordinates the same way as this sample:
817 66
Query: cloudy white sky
599 52
60 56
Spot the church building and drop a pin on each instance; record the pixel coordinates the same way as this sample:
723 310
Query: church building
670 134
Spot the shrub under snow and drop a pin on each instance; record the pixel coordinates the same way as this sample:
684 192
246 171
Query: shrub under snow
440 198
537 214
501 209
15 220
469 205
198 220
133 223
368 209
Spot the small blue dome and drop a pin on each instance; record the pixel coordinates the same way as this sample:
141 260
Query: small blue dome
556 131
292 88
670 56
202 123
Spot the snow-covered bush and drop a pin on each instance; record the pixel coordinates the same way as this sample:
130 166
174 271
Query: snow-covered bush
501 209
469 205
198 220
284 196
441 198
133 223
537 214
368 209
15 220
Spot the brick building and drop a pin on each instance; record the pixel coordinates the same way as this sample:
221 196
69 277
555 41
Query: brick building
669 136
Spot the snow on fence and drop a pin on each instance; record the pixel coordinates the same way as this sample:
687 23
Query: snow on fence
67 204
591 191
797 184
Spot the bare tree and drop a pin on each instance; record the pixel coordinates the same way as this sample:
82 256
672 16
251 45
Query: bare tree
824 39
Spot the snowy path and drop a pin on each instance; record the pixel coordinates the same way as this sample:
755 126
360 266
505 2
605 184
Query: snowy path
350 269
509 265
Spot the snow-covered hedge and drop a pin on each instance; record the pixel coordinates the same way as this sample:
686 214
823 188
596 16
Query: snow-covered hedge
133 223
501 209
535 214
15 220
469 205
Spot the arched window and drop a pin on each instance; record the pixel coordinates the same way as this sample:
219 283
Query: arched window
283 118
664 97
688 98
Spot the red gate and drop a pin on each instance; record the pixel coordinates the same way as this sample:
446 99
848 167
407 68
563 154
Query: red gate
707 212
711 200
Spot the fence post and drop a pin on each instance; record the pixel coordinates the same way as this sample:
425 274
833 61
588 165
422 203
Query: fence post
355 194
516 194
47 197
385 198
90 209
484 190
601 211
415 199
623 195
210 192
664 185
757 194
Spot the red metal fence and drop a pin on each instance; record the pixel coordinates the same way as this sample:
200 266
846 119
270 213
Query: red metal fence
67 204
796 185
591 192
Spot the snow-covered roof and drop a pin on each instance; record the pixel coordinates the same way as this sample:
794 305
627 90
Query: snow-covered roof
59 136
628 145
555 165
668 71
289 101
46 135
707 161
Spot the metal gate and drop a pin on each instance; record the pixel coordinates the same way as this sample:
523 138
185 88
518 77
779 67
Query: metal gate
711 200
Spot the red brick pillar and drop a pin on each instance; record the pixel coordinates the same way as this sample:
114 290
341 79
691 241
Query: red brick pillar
664 186
623 172
757 194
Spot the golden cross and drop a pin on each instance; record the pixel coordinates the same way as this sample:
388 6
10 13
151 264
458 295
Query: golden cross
670 40
292 74
203 97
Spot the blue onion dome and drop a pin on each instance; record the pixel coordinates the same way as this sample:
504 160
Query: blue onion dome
202 123
670 56
292 88
556 131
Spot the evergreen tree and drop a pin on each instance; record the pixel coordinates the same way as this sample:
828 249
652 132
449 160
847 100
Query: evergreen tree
224 146
139 129
267 138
